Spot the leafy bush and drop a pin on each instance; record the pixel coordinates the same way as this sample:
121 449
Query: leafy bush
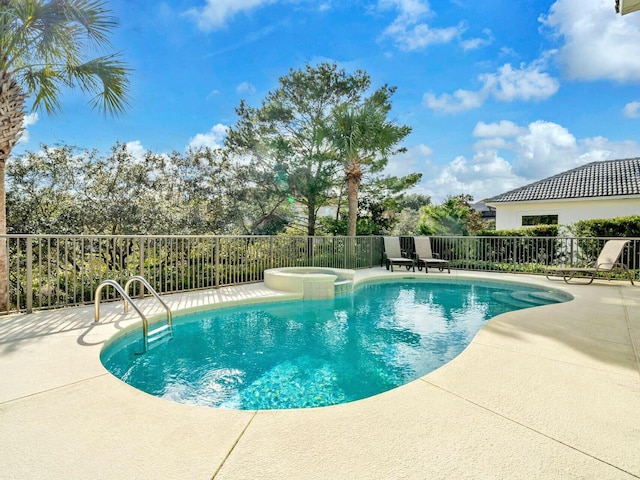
608 227
601 228
534 231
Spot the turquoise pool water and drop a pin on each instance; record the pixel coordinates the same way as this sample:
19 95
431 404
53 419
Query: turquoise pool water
315 353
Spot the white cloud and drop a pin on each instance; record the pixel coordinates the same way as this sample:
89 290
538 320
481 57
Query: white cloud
496 136
409 37
507 52
528 82
422 150
29 119
509 156
491 143
504 128
525 83
412 160
246 88
408 30
408 9
215 14
475 43
600 148
486 174
632 110
212 139
459 101
598 44
547 148
136 149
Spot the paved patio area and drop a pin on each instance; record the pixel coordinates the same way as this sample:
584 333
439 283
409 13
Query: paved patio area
551 392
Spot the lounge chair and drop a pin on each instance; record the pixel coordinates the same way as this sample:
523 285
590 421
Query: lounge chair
424 256
607 262
393 254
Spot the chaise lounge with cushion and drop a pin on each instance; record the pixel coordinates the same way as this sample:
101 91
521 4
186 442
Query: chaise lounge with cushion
424 256
393 254
607 262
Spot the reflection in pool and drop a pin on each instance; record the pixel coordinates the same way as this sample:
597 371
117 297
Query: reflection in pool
311 353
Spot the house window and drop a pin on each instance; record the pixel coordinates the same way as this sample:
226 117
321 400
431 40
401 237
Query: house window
529 220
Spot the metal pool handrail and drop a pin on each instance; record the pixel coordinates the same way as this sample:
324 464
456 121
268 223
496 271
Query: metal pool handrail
143 281
116 285
127 298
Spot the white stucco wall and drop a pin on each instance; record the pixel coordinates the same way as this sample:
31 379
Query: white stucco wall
509 215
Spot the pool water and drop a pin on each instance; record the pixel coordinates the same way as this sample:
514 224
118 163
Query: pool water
312 353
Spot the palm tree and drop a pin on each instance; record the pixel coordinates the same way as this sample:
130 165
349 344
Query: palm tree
365 139
41 52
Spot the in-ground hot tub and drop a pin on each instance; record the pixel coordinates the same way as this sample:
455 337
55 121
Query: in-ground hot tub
311 282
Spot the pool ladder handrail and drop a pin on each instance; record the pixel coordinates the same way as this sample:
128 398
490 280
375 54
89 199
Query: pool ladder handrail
128 300
151 290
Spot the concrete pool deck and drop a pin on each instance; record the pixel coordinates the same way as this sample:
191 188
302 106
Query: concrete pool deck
551 392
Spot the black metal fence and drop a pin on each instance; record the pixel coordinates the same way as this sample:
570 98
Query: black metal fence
49 271
527 254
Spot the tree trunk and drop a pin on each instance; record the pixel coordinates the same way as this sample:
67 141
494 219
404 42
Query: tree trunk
353 185
4 271
311 219
11 126
353 177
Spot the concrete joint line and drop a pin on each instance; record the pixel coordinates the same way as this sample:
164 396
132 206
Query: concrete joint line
48 390
233 447
634 345
530 428
548 358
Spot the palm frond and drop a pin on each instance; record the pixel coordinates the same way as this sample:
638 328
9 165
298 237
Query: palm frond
107 78
45 83
42 44
92 16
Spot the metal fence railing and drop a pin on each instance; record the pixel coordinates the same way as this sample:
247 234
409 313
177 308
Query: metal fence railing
51 271
527 254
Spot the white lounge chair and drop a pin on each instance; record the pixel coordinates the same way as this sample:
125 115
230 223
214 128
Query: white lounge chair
607 262
393 254
424 256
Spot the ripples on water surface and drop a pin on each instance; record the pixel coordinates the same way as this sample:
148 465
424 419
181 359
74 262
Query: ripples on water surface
316 352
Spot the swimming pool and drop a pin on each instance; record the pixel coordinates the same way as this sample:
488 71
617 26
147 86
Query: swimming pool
311 353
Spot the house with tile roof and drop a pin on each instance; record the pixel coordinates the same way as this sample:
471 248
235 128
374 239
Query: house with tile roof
604 189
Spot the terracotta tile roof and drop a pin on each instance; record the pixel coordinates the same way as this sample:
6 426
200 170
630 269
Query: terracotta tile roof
597 179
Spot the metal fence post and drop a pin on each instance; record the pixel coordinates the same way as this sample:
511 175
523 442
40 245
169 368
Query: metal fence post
141 255
216 263
346 250
29 276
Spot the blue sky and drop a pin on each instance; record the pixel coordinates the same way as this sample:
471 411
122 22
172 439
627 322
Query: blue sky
499 93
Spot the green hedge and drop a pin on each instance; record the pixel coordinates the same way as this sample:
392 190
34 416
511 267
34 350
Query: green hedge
534 231
531 244
608 227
